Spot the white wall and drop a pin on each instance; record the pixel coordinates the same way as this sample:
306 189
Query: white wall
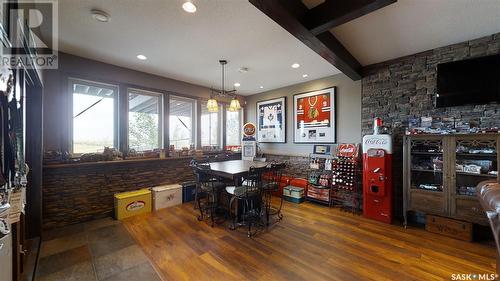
348 112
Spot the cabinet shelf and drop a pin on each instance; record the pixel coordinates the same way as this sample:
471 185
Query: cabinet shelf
426 191
476 175
477 155
319 186
426 153
426 171
467 197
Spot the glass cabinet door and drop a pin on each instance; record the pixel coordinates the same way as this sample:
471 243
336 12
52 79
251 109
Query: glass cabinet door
427 165
476 160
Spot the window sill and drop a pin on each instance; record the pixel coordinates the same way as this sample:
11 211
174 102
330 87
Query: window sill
114 162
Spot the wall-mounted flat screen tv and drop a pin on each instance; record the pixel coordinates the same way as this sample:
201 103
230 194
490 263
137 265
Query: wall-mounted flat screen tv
471 81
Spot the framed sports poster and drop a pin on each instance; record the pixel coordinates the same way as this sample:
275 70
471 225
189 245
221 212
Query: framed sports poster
314 117
271 123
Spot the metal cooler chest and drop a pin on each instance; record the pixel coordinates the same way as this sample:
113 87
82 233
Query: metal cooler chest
132 203
293 194
166 196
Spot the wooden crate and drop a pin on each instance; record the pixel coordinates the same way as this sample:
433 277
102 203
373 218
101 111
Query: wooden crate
449 227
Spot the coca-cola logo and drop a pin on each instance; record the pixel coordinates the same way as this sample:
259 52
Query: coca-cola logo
347 150
376 141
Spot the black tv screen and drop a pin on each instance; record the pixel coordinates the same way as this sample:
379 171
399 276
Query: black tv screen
472 81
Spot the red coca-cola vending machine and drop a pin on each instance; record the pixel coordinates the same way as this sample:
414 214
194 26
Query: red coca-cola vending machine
377 177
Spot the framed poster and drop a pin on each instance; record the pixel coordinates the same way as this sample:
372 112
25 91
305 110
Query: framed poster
314 117
271 120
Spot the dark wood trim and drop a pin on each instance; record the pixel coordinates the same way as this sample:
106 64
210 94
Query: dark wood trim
326 45
330 13
34 156
334 52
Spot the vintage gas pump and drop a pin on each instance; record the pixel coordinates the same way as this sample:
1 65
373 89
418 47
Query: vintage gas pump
377 175
248 143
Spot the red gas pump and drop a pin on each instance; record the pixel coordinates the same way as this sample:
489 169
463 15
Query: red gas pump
377 177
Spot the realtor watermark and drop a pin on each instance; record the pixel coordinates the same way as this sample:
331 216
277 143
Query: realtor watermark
29 34
474 276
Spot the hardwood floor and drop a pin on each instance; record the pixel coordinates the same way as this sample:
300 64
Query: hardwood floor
312 242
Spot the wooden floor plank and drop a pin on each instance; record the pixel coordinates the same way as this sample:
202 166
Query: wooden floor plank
312 242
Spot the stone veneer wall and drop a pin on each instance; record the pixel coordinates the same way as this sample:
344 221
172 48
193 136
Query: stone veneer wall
296 165
78 193
405 87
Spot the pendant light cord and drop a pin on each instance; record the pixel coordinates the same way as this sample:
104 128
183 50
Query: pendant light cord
223 91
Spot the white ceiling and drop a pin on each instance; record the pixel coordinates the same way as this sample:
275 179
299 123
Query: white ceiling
411 26
188 47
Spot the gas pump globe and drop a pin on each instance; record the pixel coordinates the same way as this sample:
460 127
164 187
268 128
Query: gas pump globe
248 143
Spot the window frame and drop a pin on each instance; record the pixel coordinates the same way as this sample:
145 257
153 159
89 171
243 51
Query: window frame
220 121
161 112
194 115
116 113
241 115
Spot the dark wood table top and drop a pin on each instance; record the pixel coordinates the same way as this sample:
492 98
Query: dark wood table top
235 167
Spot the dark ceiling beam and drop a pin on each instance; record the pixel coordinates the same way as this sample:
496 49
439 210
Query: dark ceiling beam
333 13
287 13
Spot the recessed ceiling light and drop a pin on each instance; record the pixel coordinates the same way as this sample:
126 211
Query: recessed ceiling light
262 87
142 57
304 75
99 15
189 7
237 84
295 65
243 69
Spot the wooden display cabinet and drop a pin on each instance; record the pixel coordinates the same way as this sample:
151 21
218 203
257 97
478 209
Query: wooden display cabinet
441 173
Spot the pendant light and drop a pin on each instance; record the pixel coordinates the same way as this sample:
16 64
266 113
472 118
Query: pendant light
234 105
212 105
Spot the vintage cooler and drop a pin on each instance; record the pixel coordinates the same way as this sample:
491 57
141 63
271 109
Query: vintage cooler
188 191
293 194
166 196
132 203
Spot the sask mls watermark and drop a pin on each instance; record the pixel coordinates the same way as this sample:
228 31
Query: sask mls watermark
30 34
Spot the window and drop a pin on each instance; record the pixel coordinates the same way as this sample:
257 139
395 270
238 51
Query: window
210 127
144 120
233 127
94 116
181 122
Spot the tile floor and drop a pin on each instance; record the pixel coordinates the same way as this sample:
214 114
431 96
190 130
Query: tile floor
97 250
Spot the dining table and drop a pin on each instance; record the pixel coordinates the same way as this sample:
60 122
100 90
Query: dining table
234 169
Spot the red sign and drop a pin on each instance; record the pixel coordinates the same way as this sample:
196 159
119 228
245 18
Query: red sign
348 150
249 129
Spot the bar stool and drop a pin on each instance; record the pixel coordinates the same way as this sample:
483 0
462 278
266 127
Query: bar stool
250 195
272 180
208 187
